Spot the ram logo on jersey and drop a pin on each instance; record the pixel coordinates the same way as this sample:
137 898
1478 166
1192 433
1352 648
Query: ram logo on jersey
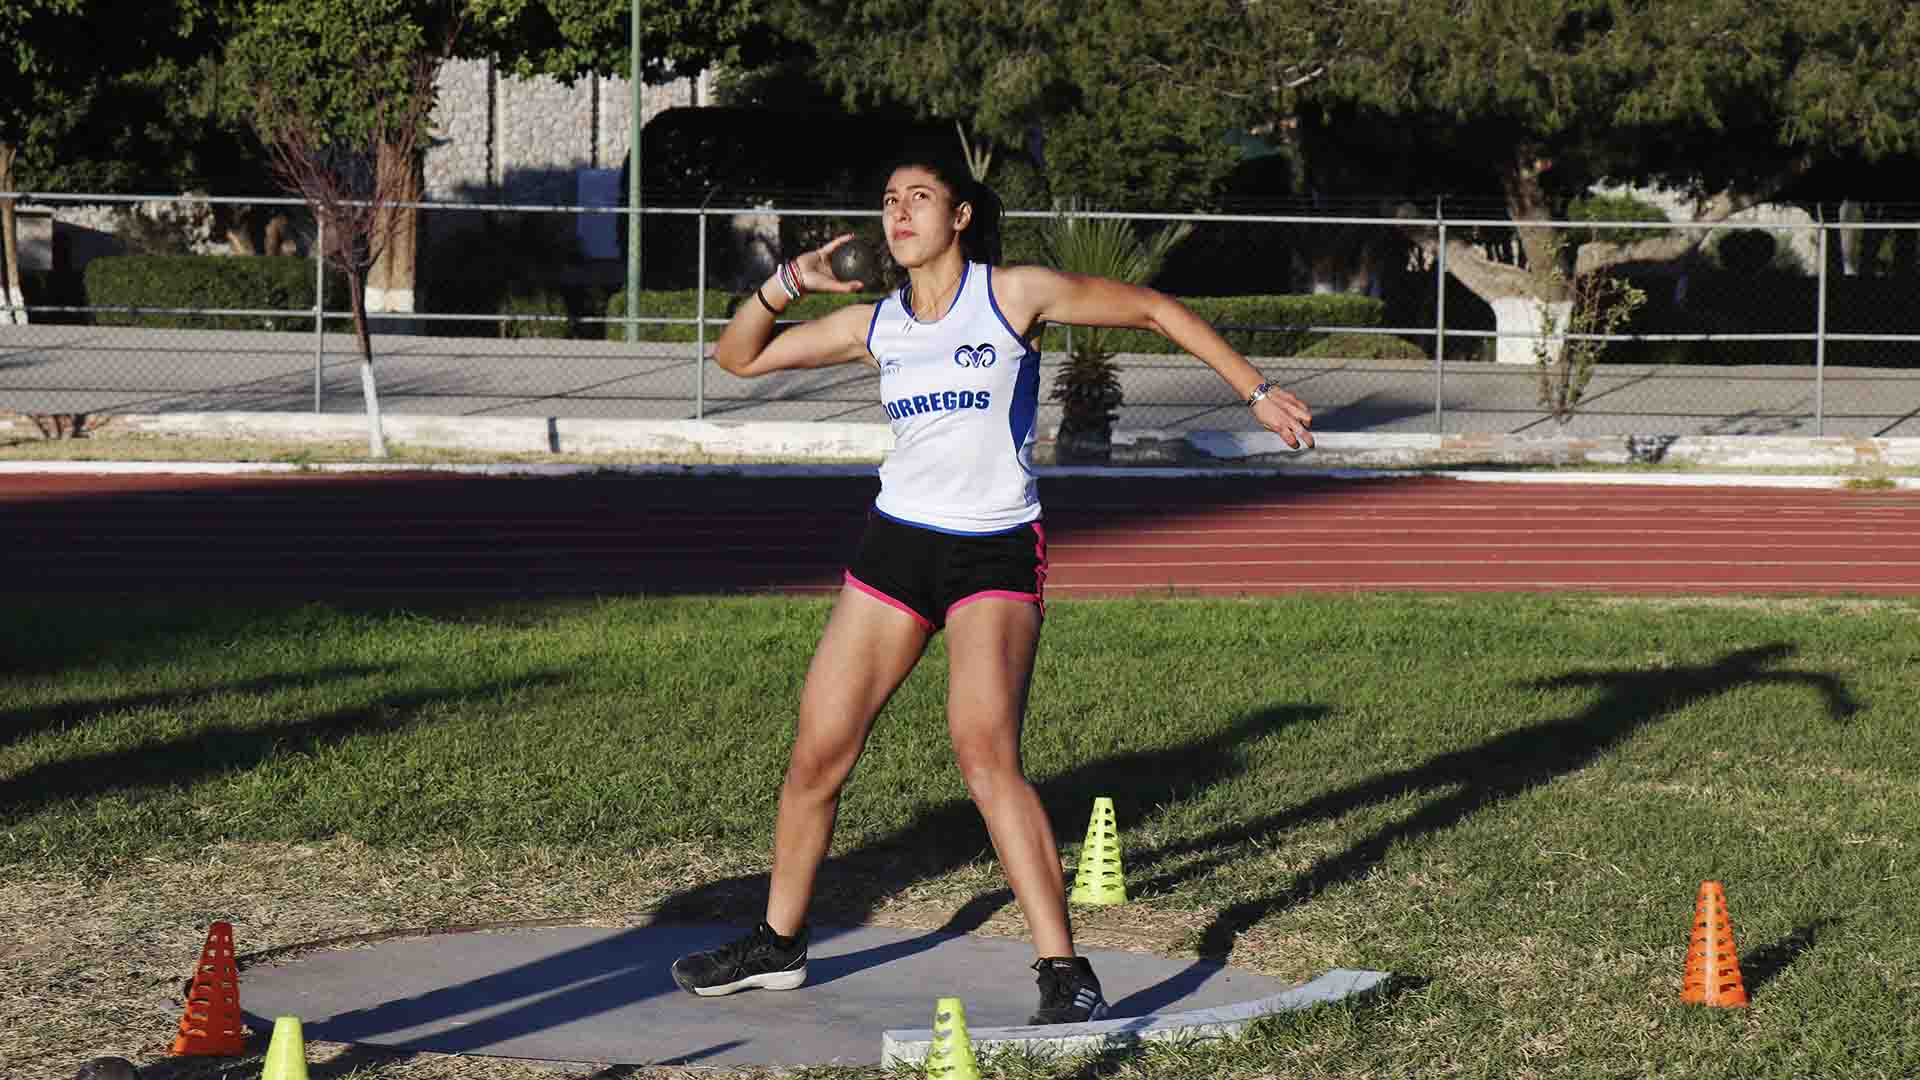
938 401
969 356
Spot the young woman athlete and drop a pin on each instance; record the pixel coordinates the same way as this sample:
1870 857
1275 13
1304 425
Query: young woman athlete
954 541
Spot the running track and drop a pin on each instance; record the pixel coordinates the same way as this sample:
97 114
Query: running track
435 533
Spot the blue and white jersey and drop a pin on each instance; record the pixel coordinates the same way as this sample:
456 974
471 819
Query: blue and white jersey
963 392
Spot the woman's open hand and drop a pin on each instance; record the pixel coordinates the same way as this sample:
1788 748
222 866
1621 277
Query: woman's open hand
1286 416
815 268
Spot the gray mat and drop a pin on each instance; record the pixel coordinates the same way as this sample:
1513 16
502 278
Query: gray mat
599 995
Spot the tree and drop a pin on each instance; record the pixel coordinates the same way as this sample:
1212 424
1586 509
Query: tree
343 91
60 60
1088 384
1019 74
1533 102
570 38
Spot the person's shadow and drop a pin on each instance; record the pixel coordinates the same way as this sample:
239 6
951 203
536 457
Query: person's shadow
1484 776
630 966
949 835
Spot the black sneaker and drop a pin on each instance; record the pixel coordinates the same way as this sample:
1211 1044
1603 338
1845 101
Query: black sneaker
756 960
1069 991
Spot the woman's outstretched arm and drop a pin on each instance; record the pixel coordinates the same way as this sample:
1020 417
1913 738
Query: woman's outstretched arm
1034 294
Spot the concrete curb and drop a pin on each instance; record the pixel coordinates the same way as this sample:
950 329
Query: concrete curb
844 441
534 469
910 1047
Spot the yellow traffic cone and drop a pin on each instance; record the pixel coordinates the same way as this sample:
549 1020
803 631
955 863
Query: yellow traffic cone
951 1057
286 1051
1098 879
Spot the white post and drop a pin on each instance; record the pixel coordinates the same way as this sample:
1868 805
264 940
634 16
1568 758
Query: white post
319 306
700 324
1820 341
1440 325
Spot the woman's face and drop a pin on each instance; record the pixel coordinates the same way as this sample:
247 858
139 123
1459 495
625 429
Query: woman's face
919 215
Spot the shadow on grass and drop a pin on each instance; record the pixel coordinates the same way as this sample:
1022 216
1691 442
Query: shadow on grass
1486 775
1764 964
948 836
215 751
21 724
609 974
42 635
612 973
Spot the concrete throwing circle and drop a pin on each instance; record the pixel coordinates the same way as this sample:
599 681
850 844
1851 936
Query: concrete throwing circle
605 995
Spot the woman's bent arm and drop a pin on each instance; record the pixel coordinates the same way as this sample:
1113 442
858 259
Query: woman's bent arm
748 347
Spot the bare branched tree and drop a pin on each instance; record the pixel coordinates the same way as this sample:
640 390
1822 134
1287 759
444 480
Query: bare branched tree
355 189
343 91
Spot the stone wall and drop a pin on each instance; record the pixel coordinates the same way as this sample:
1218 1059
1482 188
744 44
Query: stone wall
499 139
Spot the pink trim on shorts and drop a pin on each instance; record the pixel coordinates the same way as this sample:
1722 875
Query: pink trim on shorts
885 599
998 594
1037 597
1040 571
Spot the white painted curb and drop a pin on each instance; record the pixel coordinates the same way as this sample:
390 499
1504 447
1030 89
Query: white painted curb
910 1046
786 472
826 440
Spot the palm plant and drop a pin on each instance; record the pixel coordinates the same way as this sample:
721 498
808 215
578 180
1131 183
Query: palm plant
1088 386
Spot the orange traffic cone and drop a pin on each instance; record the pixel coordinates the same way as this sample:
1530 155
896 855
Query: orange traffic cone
1713 964
212 1025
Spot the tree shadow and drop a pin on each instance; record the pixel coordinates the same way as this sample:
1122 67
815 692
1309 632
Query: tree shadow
1486 775
215 751
21 724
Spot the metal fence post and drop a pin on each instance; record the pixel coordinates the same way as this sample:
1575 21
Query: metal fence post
700 324
1820 337
319 305
1440 325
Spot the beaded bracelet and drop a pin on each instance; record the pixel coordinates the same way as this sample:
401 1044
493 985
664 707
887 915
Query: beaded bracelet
790 281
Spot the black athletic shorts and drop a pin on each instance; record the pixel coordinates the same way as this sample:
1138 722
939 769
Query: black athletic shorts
927 573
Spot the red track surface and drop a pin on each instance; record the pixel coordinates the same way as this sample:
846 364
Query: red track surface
414 533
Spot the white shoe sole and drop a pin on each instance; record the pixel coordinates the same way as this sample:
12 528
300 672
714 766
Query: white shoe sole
772 980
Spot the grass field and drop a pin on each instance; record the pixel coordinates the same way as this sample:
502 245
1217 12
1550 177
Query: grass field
1507 801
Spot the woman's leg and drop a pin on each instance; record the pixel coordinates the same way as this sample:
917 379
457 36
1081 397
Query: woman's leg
868 649
991 645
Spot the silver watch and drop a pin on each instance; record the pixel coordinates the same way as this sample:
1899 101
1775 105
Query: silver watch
1259 392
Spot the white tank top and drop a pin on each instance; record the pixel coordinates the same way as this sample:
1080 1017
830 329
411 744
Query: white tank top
963 392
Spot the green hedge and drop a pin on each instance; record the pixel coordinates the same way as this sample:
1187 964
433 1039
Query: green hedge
680 304
1364 347
265 282
537 314
1229 312
1294 312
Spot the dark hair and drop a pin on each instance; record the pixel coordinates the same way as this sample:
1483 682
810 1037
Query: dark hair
980 240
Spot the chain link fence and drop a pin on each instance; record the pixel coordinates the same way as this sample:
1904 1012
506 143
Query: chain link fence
1801 328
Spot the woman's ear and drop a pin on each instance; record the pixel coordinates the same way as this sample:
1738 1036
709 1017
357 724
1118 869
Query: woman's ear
962 214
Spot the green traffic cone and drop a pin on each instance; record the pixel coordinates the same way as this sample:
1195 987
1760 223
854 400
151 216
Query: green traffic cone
1098 879
286 1051
951 1057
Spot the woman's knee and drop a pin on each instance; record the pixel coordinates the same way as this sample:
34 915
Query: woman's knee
989 772
819 771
